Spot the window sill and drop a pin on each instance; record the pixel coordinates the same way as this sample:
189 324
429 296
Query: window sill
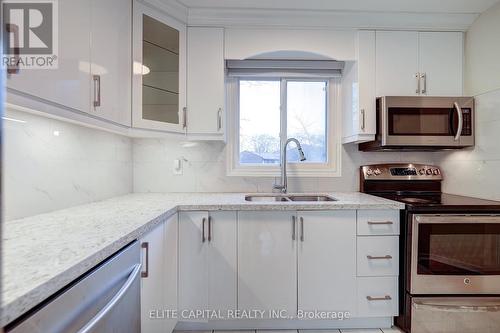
261 171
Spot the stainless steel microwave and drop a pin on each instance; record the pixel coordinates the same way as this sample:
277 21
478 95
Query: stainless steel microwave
423 123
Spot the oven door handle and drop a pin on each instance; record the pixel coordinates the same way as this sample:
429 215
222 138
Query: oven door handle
458 110
456 308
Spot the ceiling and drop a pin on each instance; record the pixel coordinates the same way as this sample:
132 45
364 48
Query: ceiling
412 6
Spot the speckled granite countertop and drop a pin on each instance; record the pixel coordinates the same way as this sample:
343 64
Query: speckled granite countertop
43 253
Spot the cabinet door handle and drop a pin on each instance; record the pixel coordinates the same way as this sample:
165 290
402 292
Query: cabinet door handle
384 298
97 90
184 117
380 222
424 77
293 227
301 229
378 257
145 245
219 119
203 239
363 119
14 29
417 76
210 228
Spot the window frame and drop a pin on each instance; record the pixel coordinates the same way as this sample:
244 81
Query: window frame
332 168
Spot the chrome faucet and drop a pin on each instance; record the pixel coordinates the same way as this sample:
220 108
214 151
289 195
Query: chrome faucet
283 187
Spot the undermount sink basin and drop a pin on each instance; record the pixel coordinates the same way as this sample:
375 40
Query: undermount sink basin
266 197
288 198
311 198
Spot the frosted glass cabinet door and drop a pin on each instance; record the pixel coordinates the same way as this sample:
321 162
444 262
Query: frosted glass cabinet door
159 71
69 84
267 261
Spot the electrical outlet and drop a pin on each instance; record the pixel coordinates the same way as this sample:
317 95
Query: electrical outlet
177 167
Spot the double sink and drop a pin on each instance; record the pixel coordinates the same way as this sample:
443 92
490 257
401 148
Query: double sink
289 198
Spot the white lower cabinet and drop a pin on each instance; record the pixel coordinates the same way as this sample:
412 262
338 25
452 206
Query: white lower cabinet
327 261
267 261
159 276
289 261
207 260
377 296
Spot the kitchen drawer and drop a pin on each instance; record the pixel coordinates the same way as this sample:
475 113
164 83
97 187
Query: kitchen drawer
377 296
378 256
378 222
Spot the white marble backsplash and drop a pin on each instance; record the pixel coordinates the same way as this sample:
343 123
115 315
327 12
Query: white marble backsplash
50 164
205 169
475 172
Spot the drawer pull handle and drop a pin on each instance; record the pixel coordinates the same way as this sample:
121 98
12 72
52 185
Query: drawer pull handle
379 257
380 222
385 298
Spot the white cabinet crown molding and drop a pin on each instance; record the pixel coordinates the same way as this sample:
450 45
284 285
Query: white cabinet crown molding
231 17
171 8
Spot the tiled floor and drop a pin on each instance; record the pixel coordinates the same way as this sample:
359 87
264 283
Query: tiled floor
378 330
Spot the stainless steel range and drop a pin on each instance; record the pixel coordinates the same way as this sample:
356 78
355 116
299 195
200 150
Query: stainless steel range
450 251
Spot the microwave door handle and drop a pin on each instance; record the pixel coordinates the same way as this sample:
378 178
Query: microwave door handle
460 121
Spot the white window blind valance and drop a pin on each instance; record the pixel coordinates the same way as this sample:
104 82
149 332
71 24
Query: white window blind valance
285 68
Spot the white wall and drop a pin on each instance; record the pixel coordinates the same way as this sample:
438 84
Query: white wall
474 172
44 171
247 43
482 53
205 170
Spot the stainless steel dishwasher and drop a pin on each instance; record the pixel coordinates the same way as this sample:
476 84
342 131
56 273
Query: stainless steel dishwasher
107 299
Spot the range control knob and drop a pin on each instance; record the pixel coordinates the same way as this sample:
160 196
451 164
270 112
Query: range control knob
377 172
421 172
435 172
428 172
369 172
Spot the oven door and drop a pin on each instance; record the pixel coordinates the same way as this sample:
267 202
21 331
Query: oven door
455 314
455 254
427 121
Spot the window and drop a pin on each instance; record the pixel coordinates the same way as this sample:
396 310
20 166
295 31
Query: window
266 112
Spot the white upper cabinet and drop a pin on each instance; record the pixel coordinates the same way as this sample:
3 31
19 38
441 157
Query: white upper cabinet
69 84
358 91
205 82
94 65
396 63
326 261
159 71
441 63
410 63
111 64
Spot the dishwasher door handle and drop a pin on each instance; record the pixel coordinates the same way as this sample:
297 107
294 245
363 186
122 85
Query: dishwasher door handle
89 327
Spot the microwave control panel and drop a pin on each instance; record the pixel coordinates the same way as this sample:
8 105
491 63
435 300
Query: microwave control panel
467 122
